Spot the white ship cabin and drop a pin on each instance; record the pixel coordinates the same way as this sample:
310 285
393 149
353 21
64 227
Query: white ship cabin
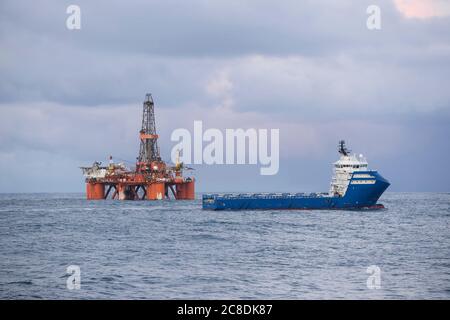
343 169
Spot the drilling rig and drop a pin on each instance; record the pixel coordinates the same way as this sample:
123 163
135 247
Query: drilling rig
151 179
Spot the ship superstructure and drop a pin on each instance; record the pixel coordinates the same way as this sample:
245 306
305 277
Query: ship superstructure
344 169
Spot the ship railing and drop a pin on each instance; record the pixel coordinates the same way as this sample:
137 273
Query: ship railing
264 195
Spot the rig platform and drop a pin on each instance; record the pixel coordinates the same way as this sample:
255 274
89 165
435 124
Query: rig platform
151 179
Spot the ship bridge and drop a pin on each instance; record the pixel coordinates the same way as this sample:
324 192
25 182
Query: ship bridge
344 169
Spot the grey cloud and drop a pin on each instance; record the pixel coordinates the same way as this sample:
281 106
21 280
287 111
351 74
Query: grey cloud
201 28
310 68
124 50
195 28
339 86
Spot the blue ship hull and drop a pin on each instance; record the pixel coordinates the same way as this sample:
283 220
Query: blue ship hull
361 193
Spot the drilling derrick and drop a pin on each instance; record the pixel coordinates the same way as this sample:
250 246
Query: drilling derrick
152 179
149 150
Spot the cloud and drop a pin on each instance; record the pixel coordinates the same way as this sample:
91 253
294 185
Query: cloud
310 68
337 86
423 9
311 54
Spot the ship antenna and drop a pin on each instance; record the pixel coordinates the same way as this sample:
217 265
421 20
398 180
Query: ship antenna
343 149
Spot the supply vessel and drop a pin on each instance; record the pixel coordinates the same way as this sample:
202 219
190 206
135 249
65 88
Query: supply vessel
353 186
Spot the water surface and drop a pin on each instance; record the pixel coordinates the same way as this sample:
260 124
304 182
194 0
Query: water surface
168 250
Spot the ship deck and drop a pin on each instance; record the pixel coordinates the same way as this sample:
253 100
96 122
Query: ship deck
266 195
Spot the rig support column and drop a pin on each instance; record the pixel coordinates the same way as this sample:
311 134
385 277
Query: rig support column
181 194
186 190
125 192
95 191
190 190
121 191
156 191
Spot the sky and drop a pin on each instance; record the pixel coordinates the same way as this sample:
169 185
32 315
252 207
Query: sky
311 69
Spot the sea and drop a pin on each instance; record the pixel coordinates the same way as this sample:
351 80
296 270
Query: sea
61 246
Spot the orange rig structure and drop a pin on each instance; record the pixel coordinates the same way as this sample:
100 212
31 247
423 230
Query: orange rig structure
152 179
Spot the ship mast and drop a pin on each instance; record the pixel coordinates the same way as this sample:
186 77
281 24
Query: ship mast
343 149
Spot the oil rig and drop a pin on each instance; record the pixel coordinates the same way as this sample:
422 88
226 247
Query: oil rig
151 179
